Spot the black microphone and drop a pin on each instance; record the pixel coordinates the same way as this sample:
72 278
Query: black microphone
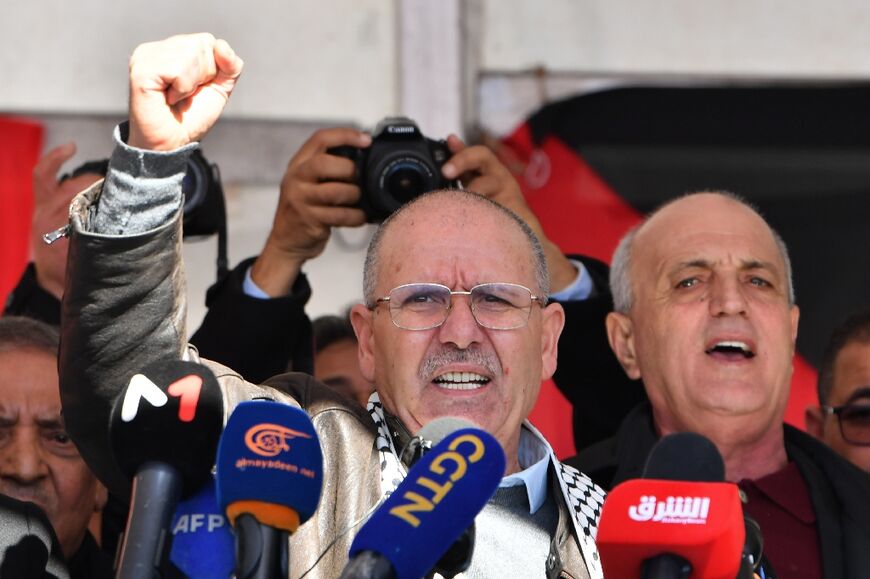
164 429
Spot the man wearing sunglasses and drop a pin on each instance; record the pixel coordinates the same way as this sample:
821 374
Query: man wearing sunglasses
842 420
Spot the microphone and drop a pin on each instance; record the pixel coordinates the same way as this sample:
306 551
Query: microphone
202 543
430 509
457 559
164 429
269 478
679 521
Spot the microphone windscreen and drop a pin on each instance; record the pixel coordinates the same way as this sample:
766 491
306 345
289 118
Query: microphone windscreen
269 465
202 544
171 412
438 429
685 456
435 503
672 510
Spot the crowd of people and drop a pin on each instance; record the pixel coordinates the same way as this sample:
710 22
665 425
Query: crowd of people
691 328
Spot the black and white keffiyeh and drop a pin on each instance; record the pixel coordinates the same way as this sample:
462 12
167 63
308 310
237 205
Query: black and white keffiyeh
583 497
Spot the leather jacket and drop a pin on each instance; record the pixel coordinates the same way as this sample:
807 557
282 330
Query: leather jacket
124 307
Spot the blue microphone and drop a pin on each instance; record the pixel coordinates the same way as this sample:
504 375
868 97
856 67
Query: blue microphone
430 509
269 478
202 542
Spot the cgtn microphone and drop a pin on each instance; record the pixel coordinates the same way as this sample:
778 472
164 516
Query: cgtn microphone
457 558
430 509
269 478
679 521
164 429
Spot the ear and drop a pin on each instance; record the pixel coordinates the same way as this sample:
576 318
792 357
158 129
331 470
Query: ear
814 420
101 497
362 319
795 316
552 322
620 334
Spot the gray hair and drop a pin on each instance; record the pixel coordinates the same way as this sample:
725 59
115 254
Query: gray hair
18 333
620 275
372 263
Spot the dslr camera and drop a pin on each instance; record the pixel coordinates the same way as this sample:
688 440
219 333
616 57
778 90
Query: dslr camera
400 164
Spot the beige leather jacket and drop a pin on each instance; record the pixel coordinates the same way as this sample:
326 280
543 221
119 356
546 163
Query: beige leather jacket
124 307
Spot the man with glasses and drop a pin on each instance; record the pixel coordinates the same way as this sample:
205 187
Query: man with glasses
455 323
842 421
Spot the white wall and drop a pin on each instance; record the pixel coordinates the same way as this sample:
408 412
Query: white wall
780 38
304 59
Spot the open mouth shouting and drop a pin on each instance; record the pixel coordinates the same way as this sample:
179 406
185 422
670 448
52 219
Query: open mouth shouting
731 350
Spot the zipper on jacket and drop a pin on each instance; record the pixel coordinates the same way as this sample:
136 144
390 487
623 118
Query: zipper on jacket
52 236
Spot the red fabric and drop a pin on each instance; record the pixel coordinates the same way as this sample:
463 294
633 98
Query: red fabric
582 214
20 143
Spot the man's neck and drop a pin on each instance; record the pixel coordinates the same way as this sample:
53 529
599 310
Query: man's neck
747 455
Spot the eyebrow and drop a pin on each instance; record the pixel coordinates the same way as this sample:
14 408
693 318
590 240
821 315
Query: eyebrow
863 392
53 422
707 264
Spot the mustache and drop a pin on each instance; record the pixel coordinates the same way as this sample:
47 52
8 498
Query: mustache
33 493
435 361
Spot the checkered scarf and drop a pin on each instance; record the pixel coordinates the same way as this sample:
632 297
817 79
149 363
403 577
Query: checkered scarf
584 497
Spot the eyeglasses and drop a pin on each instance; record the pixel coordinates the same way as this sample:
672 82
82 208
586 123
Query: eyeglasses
497 306
854 421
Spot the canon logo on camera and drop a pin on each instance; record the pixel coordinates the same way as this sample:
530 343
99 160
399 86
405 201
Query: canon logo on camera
399 129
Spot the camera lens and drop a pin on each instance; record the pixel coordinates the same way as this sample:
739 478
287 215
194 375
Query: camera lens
406 178
194 186
405 181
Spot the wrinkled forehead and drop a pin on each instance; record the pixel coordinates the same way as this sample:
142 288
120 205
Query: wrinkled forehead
458 235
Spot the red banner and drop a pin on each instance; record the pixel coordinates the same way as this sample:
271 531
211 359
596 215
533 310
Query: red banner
20 144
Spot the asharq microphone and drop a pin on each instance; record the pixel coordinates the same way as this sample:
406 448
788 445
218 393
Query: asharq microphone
269 478
164 429
430 509
679 521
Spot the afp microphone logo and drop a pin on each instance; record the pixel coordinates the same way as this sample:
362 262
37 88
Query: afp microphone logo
673 510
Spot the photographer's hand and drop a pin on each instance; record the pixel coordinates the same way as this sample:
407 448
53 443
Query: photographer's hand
51 200
316 193
480 171
178 89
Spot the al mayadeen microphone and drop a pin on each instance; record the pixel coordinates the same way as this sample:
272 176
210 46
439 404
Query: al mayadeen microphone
269 479
432 507
679 521
164 429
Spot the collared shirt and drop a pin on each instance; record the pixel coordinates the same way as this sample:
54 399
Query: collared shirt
780 503
579 289
534 453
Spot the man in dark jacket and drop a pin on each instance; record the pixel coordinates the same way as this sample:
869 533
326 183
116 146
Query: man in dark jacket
705 316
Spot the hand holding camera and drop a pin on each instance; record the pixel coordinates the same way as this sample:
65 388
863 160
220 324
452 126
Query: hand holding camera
317 194
401 164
